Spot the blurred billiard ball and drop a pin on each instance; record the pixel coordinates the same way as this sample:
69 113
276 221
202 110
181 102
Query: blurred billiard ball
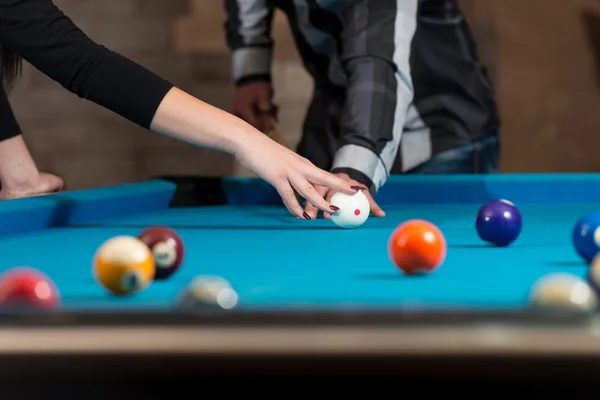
167 248
124 265
563 292
207 294
26 288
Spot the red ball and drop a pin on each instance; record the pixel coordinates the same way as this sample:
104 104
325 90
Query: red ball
167 248
417 247
28 288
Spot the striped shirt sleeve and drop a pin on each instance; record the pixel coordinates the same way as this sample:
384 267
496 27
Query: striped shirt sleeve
377 41
248 35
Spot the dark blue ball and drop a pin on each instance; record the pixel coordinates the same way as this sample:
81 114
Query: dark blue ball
499 222
586 236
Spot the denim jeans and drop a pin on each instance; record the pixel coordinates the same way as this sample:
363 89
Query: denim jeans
480 157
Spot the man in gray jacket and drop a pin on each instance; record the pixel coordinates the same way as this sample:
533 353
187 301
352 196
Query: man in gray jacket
398 89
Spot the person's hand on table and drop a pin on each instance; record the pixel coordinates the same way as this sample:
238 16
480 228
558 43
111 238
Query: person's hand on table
327 193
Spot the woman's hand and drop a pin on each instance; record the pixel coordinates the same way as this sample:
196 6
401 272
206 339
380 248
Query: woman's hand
291 174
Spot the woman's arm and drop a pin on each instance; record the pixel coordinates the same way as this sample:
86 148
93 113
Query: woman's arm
40 33
189 119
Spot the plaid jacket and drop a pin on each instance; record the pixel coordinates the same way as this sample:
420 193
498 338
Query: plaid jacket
409 69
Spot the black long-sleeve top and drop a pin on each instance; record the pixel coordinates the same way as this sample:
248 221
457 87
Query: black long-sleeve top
46 38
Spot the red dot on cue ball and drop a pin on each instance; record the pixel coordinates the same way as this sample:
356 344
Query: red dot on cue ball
357 212
28 288
167 248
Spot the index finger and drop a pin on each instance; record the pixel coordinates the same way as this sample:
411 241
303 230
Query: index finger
323 178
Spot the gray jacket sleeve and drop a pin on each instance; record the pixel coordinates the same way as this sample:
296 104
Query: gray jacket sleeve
376 44
248 35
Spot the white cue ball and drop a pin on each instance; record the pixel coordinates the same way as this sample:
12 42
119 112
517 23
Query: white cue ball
563 292
354 209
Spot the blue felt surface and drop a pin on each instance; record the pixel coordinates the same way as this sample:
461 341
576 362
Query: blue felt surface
277 261
83 206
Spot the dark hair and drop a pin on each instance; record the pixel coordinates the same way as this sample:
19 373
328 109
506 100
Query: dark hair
10 67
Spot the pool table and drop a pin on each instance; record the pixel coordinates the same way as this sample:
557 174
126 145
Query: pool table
308 290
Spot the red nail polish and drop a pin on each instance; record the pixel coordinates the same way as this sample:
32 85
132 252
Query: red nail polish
306 216
334 208
357 188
